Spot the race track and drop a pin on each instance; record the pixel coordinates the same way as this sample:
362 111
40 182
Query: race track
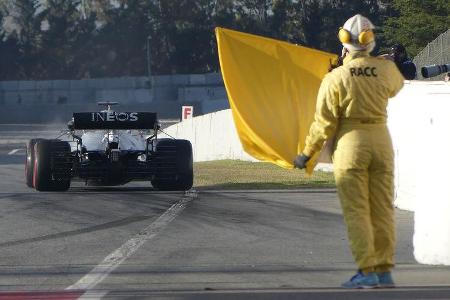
132 241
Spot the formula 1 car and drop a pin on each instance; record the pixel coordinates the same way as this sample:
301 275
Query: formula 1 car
110 148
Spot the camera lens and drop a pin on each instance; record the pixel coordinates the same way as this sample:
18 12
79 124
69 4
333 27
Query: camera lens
434 70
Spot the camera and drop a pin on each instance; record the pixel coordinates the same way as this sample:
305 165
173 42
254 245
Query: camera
435 70
398 54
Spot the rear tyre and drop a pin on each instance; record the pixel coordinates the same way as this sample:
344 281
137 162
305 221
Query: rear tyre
174 161
29 162
52 165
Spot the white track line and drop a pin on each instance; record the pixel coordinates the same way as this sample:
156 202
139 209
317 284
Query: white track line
113 260
12 152
93 295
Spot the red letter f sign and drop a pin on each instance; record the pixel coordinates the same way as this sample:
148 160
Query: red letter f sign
186 112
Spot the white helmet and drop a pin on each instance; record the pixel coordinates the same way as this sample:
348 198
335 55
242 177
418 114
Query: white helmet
357 34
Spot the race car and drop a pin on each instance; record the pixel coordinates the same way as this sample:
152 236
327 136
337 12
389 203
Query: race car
109 148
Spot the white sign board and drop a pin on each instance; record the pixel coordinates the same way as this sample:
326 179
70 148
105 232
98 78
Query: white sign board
187 112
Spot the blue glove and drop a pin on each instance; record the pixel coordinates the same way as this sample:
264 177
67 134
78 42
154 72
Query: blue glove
301 160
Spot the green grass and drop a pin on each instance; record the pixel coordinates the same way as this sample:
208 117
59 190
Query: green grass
236 174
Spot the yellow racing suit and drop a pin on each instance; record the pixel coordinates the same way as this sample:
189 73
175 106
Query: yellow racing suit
351 106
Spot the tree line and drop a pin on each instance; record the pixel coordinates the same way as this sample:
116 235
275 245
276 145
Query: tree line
74 39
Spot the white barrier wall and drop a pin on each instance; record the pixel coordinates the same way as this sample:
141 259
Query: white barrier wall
413 118
403 122
430 158
432 206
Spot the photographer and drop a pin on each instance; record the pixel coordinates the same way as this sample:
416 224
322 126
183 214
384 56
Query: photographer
398 54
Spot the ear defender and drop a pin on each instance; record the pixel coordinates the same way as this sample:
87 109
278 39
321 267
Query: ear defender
364 38
344 36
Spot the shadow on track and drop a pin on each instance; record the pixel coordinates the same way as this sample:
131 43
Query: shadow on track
111 189
108 225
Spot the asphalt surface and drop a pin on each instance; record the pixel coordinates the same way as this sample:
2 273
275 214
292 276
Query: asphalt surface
132 242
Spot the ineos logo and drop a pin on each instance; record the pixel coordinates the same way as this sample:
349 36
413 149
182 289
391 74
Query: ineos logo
113 116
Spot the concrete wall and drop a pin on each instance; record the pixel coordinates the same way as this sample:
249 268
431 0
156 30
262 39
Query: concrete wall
55 100
420 128
418 106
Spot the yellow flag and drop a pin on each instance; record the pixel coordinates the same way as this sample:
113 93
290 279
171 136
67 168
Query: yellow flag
272 87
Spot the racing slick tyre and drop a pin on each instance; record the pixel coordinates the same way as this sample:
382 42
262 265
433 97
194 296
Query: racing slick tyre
52 165
29 162
174 170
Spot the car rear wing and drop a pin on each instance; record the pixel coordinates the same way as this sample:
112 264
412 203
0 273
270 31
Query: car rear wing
114 120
